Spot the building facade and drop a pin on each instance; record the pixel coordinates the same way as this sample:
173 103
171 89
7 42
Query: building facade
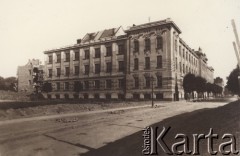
25 75
144 61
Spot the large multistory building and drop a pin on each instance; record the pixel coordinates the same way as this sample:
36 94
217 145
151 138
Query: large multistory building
148 60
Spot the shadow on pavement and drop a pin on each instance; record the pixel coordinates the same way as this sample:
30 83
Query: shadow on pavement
223 120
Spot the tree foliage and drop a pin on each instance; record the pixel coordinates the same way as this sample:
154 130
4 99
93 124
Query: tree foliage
9 83
232 81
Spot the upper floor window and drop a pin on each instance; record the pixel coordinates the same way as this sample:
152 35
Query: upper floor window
147 62
86 69
87 54
121 83
50 59
67 54
66 85
76 56
109 51
97 53
86 85
159 61
147 44
49 72
97 84
136 64
58 58
136 79
176 45
58 85
159 42
121 49
76 69
120 66
180 67
58 72
97 68
183 54
67 71
159 81
108 83
109 67
148 81
136 45
183 69
176 63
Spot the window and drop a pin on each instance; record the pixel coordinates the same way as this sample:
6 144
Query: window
29 82
97 53
87 54
67 54
50 59
97 68
96 96
159 81
86 85
58 86
58 72
159 42
186 55
67 72
180 49
30 72
108 84
121 66
176 63
136 64
176 45
109 67
136 46
183 68
147 62
183 53
148 82
147 44
76 69
180 67
49 72
186 69
121 83
58 58
78 86
109 51
97 84
76 55
66 85
86 69
136 80
159 61
120 49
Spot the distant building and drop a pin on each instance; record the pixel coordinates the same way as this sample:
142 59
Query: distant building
118 64
25 75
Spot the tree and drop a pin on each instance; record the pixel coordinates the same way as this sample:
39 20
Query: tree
200 84
232 81
10 83
189 83
47 87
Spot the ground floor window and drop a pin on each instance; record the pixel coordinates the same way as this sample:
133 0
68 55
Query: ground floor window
96 96
108 96
147 96
159 96
136 96
66 96
120 96
85 96
49 96
57 96
76 96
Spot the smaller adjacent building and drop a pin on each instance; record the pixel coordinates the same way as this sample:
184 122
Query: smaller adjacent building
25 75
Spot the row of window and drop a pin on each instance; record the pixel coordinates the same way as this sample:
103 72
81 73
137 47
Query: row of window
85 85
184 69
147 63
87 69
187 56
121 49
147 44
149 81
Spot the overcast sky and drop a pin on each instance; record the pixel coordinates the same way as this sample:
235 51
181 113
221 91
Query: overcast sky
28 27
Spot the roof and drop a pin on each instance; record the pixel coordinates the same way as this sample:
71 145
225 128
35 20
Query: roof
167 21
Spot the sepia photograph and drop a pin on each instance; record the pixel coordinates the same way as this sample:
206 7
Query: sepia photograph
119 77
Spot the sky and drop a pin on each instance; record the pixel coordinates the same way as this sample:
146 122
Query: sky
29 27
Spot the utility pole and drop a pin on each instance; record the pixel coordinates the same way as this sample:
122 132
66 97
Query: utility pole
152 79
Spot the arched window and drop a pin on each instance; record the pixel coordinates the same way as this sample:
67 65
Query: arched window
159 42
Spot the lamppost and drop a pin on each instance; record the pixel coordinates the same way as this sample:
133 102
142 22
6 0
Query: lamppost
152 79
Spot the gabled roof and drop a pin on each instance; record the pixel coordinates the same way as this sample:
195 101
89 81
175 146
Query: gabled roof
107 33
